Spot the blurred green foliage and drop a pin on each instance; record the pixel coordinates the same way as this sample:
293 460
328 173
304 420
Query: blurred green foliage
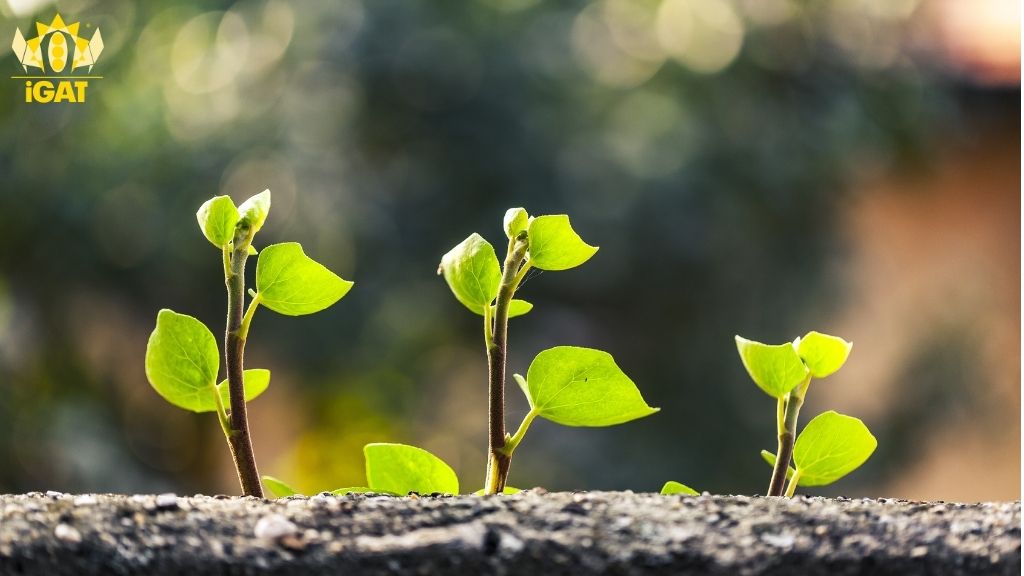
709 166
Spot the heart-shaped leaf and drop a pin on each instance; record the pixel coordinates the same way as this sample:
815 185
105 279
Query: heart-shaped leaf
582 387
182 361
291 283
554 245
823 354
279 488
831 446
775 369
401 469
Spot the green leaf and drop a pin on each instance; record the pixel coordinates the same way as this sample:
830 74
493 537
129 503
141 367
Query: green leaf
823 354
831 446
770 459
291 283
402 469
253 212
516 308
356 490
516 220
522 384
775 369
217 218
554 245
182 360
672 487
582 387
279 488
255 381
472 272
507 490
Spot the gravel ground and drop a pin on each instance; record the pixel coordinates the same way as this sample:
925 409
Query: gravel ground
533 534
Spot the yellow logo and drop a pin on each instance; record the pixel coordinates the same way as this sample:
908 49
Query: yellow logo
65 53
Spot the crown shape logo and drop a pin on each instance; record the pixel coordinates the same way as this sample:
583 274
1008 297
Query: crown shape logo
60 41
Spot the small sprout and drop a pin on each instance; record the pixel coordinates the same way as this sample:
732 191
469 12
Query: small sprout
401 469
571 386
182 359
672 487
836 444
279 488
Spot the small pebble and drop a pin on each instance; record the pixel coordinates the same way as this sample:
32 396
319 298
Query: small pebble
67 533
918 551
85 500
784 540
168 500
54 494
275 527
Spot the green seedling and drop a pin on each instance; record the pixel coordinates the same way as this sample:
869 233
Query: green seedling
570 386
831 446
396 469
785 372
182 360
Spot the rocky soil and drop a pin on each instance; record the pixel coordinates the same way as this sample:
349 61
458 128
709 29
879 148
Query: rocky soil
533 534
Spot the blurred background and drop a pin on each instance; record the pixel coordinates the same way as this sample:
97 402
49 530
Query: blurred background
754 167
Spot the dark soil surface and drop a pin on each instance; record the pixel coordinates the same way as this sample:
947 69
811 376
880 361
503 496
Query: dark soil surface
532 534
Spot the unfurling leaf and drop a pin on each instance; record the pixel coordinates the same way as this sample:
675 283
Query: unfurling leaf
291 283
823 354
582 387
279 488
517 307
472 272
516 220
217 218
554 245
401 469
672 487
775 369
253 212
255 381
831 446
182 361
